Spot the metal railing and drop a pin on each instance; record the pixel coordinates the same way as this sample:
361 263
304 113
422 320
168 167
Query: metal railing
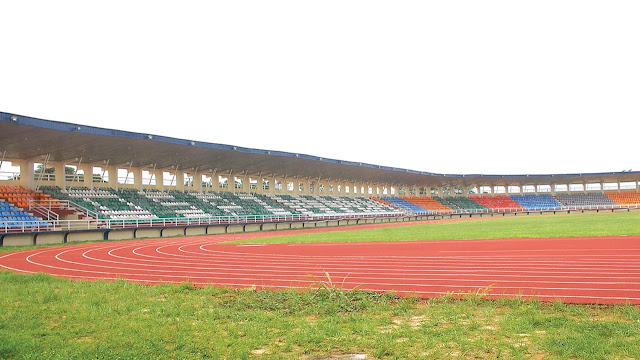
9 175
45 212
507 210
132 223
51 206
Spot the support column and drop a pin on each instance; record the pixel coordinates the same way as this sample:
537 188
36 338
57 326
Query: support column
259 189
60 175
179 180
27 174
197 182
113 177
215 183
137 178
246 186
88 176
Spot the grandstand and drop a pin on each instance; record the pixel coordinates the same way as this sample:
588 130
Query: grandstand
497 202
585 200
537 201
72 181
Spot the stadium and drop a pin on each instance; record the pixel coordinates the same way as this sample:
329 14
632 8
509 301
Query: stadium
332 180
242 218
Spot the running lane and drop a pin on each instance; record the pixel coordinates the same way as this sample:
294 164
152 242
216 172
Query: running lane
579 270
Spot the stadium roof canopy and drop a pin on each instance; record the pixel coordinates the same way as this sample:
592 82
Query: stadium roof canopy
23 137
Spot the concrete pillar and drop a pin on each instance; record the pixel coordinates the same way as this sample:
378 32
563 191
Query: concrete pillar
112 172
88 176
27 174
246 186
137 178
197 182
60 176
179 180
160 180
215 183
259 189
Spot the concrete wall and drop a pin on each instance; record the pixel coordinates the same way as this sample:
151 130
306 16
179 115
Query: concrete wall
196 230
85 236
283 226
18 240
235 229
47 239
120 235
144 233
173 232
216 229
268 226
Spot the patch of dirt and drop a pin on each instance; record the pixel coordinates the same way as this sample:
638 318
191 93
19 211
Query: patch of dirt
259 351
343 357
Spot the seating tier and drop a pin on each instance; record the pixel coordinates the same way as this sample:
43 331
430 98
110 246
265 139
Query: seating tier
537 201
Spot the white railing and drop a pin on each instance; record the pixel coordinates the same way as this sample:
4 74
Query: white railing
9 175
45 176
53 205
523 210
66 225
44 212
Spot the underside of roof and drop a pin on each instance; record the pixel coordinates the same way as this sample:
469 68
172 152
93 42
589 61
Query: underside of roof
24 137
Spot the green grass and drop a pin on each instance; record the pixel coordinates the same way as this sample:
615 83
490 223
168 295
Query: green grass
595 224
42 317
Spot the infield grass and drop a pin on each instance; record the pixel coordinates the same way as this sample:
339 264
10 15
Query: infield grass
594 224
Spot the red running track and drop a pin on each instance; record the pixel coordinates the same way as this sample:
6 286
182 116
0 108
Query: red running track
578 270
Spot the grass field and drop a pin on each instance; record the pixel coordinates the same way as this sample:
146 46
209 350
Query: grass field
42 317
595 224
48 318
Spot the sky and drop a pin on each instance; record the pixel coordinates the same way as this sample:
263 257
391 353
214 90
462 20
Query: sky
492 87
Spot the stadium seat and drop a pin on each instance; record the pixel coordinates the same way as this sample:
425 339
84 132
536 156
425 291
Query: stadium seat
627 197
430 204
537 201
584 200
407 205
497 202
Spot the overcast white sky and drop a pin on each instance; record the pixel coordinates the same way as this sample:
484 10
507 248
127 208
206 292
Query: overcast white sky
448 86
